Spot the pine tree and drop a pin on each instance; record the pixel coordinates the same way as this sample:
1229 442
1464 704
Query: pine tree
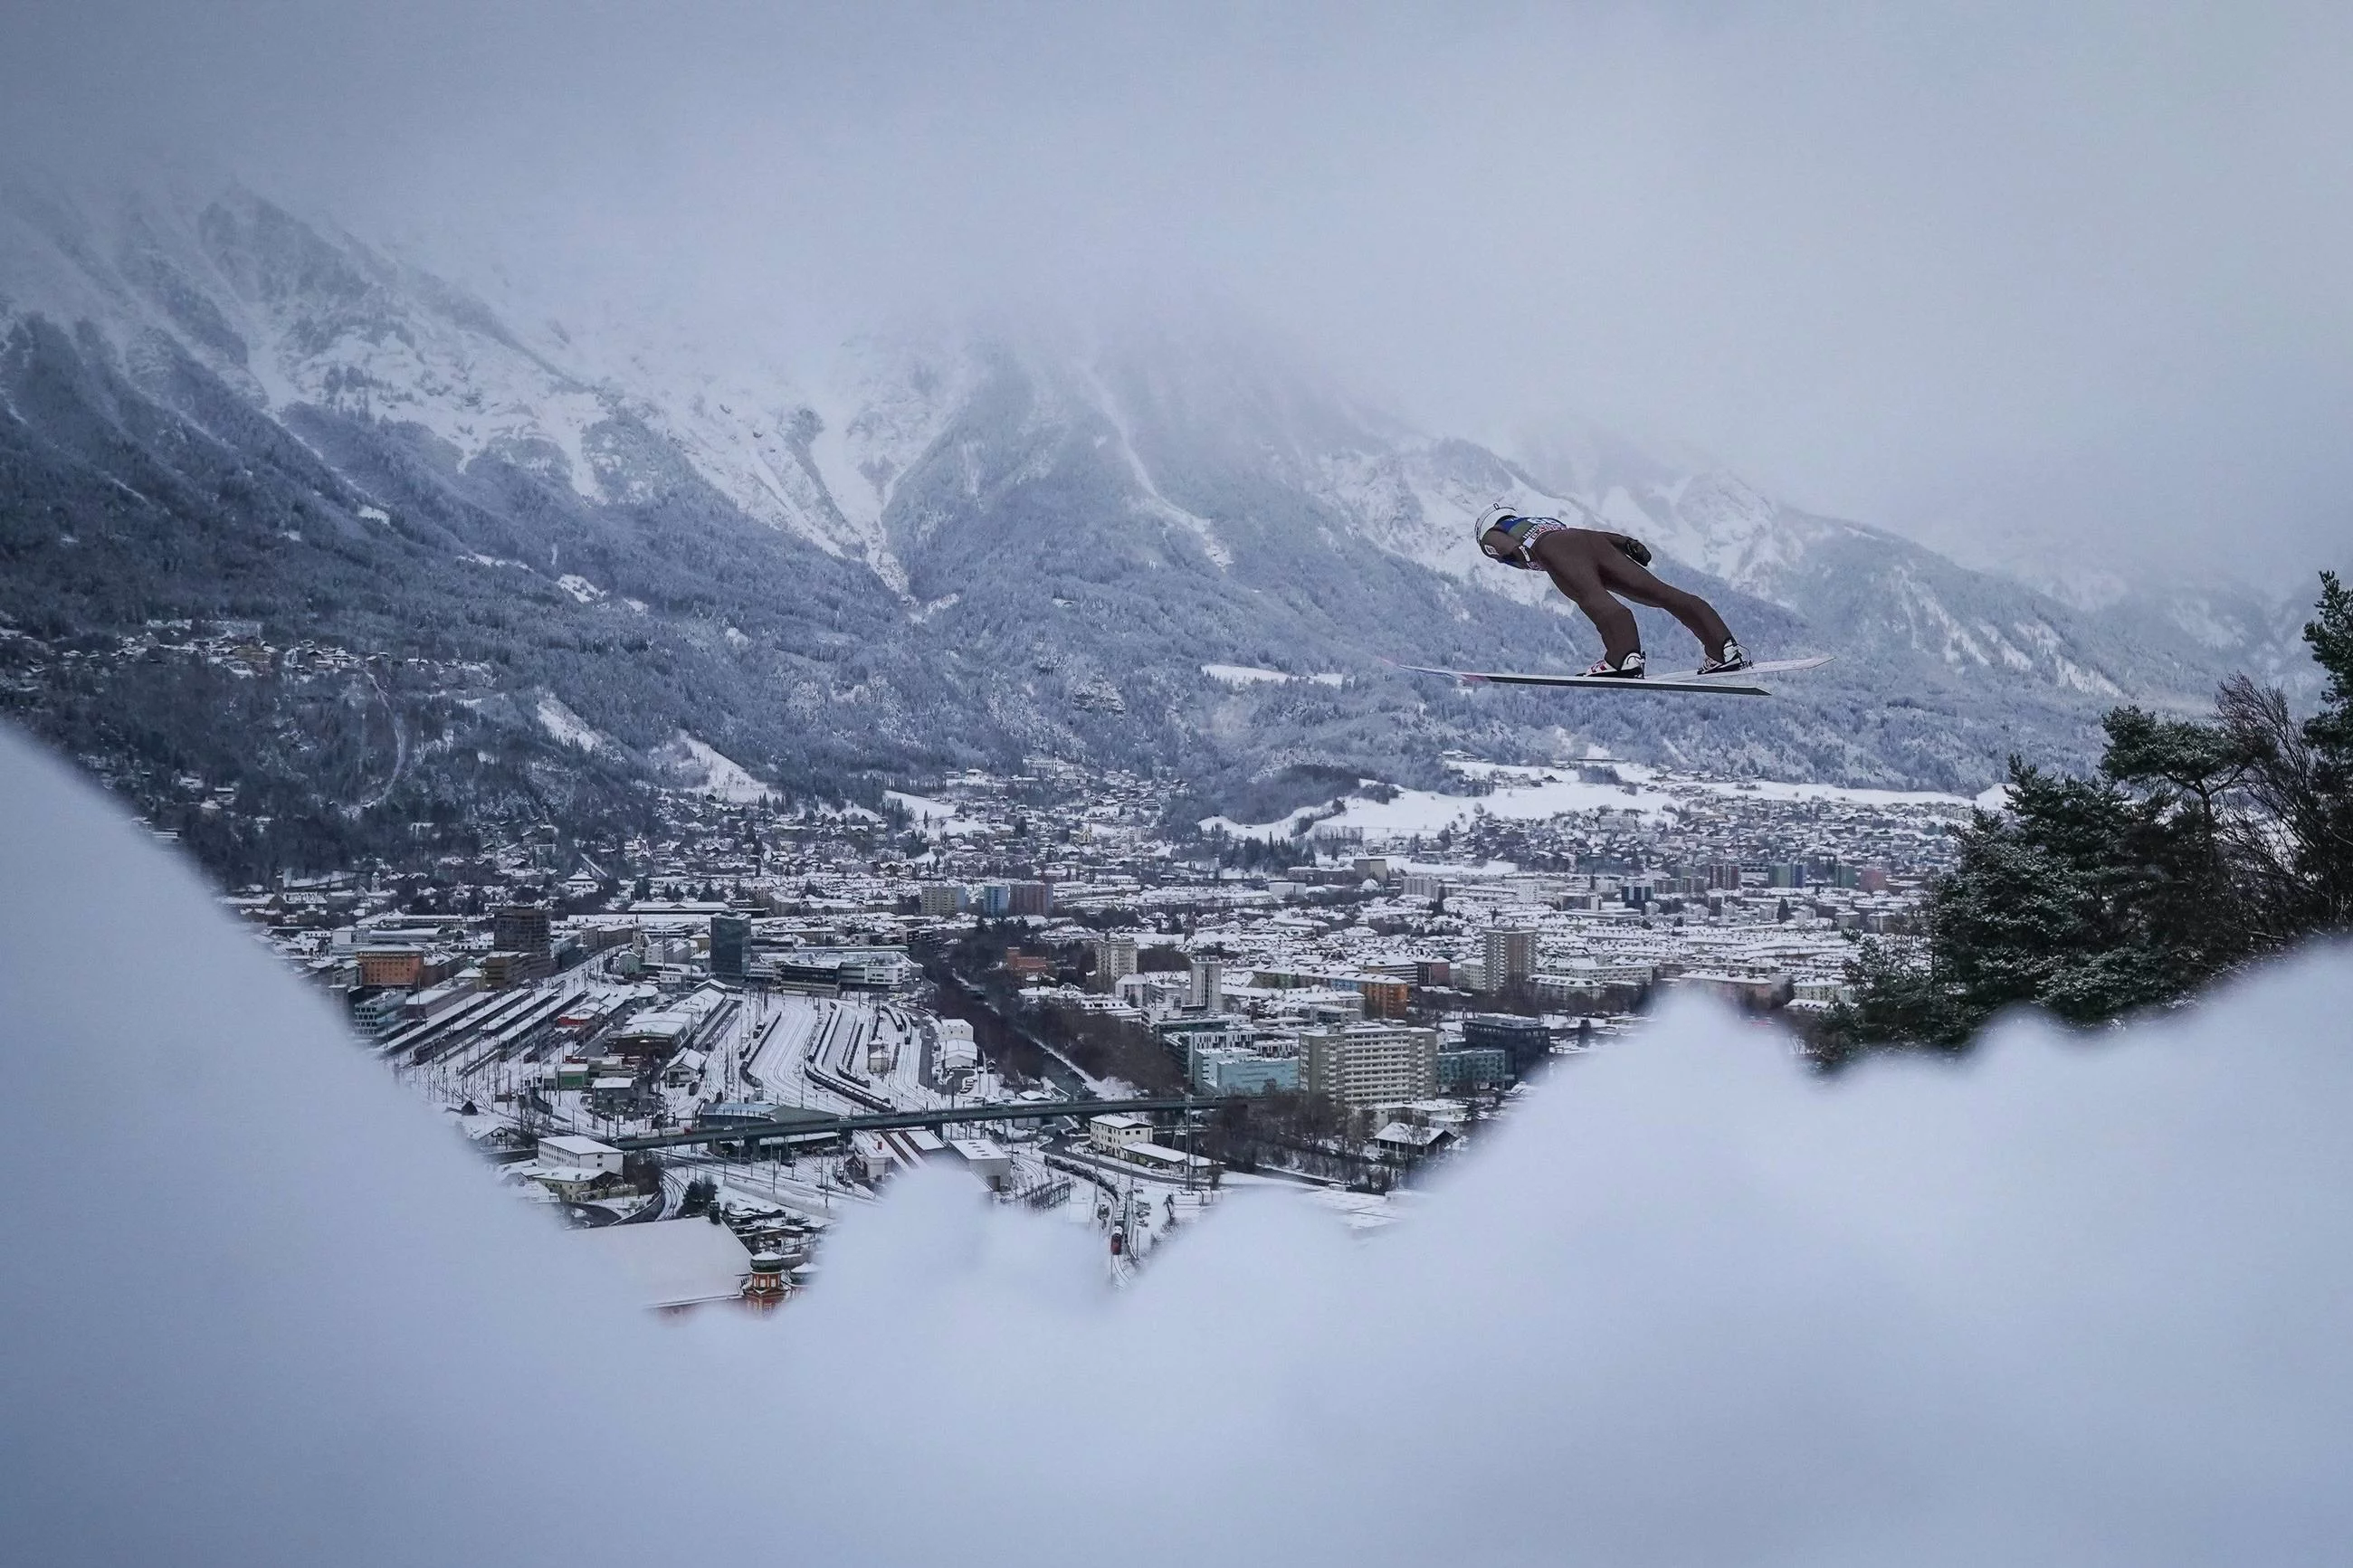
2327 854
2195 847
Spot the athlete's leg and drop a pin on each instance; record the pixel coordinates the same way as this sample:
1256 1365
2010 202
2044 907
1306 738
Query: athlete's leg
1622 574
1569 561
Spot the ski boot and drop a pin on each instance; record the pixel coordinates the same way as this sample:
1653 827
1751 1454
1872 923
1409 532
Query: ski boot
1626 668
1735 658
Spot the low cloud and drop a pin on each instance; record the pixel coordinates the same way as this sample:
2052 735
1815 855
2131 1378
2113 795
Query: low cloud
2025 281
2079 1301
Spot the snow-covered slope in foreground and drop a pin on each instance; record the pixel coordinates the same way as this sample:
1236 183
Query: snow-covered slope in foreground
1724 1312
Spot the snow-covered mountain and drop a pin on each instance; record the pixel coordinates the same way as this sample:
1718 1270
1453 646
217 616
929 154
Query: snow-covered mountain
961 545
292 315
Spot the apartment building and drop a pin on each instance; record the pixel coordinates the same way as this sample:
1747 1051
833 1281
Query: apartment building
1371 1064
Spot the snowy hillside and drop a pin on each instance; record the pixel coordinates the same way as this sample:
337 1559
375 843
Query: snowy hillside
293 315
953 548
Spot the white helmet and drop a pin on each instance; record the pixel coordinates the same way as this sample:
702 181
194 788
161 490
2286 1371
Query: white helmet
1492 517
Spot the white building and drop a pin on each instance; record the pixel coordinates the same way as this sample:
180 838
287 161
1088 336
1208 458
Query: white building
985 1158
1117 1130
1114 957
1168 1164
580 1154
958 1051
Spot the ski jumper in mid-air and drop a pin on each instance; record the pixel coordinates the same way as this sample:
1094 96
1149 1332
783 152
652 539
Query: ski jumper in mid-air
1593 568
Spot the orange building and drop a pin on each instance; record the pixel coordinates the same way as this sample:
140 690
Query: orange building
399 966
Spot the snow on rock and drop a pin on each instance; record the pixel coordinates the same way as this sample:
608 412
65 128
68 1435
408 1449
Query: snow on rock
1417 501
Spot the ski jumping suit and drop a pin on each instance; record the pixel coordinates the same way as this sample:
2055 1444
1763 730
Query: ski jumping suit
1592 569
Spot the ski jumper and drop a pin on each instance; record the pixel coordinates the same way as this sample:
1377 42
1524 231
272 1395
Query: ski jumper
1594 570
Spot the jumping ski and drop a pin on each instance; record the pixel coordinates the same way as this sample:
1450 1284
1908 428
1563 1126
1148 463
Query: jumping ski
1729 684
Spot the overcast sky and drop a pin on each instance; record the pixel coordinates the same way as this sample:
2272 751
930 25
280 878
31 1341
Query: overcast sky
2072 279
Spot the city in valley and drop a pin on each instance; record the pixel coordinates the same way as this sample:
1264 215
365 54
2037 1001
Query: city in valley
707 1045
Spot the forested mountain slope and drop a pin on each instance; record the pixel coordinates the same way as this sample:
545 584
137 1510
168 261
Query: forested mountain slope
580 563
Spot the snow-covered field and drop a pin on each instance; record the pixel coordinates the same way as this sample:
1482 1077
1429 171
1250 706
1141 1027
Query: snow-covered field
704 767
1534 794
1241 675
567 727
937 817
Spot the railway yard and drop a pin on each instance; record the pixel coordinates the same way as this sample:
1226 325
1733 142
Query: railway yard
511 1069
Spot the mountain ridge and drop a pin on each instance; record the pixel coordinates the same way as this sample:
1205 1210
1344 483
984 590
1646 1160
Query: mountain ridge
962 549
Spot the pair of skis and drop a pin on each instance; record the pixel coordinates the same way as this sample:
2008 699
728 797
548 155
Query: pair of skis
1732 683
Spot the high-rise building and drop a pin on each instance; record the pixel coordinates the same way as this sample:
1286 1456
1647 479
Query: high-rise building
731 946
522 928
1509 956
1114 956
1030 899
1208 990
940 898
1371 1064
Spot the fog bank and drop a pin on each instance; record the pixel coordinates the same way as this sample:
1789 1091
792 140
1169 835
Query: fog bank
2080 1302
2023 280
